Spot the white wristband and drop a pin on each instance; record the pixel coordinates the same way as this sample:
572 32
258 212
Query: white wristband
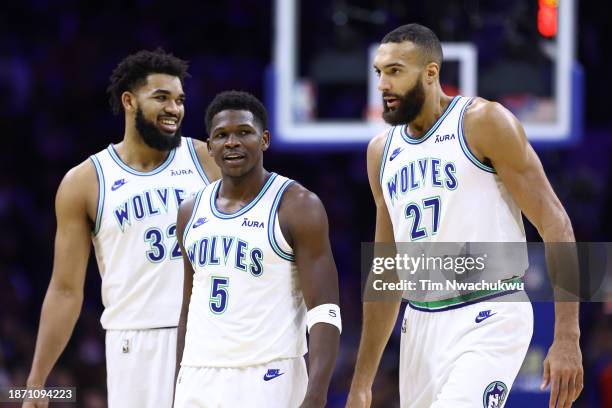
327 313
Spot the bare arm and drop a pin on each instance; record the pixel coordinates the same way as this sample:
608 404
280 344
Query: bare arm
378 317
184 214
64 297
495 134
309 236
206 161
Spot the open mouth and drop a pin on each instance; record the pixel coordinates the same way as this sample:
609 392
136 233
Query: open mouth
234 158
168 124
392 102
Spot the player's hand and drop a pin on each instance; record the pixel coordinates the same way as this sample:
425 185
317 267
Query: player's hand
359 398
563 371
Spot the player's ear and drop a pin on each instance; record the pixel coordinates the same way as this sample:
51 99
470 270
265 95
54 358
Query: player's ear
208 146
128 100
432 70
265 140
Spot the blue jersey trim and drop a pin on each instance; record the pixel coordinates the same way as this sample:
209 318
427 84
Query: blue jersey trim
101 192
226 216
464 146
460 305
385 153
272 220
194 210
196 161
160 168
410 140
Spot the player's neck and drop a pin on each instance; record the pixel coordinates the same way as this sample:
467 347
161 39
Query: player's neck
134 152
246 187
433 108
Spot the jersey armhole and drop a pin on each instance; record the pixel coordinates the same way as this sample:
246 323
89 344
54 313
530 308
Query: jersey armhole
101 190
196 161
464 146
194 210
276 239
385 153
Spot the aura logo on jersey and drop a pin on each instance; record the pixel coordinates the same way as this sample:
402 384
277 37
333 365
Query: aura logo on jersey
444 138
494 395
250 223
420 173
147 204
181 172
227 251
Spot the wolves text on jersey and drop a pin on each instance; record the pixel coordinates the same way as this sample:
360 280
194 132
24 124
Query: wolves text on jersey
421 173
148 204
213 250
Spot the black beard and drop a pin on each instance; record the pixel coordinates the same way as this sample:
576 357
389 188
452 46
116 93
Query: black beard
153 137
409 107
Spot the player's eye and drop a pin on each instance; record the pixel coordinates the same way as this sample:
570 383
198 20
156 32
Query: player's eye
161 98
377 72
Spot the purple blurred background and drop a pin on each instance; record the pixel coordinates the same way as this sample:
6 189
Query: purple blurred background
55 60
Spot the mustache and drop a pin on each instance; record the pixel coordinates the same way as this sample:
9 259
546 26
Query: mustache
387 94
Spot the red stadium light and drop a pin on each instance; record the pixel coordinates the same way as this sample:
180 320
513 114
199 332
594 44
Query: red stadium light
547 18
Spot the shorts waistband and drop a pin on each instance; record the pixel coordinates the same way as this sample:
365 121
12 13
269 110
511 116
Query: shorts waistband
511 285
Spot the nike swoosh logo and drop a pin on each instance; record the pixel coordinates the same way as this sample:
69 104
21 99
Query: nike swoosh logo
268 376
199 222
395 153
480 318
118 184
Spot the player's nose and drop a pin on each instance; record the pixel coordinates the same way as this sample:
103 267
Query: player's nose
172 107
232 140
383 84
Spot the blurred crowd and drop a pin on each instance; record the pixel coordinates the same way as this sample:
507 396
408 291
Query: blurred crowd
55 60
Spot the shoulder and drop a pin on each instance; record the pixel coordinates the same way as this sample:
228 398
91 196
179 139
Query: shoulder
199 145
206 160
299 200
483 116
489 125
77 194
301 213
376 146
80 178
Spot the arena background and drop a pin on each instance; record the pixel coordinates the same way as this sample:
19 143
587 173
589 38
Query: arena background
55 60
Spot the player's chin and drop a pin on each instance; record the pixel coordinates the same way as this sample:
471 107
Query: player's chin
233 169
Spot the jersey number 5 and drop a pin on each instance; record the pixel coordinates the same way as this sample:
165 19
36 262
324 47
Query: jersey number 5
218 294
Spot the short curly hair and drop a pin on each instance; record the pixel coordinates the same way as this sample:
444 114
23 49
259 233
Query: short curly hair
237 100
133 70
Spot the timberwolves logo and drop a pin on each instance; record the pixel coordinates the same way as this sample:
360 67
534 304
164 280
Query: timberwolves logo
494 395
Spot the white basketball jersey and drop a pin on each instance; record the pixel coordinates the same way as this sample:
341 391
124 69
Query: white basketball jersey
135 237
246 305
436 190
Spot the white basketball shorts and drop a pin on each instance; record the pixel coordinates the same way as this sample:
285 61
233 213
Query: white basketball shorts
140 366
280 383
464 357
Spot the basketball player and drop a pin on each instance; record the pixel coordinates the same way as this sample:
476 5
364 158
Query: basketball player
480 176
257 256
125 199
